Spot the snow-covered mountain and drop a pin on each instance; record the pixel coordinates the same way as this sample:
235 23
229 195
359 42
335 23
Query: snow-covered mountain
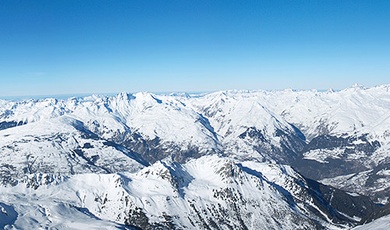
208 192
232 159
341 138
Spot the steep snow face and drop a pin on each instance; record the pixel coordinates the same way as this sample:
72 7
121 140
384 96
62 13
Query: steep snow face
206 193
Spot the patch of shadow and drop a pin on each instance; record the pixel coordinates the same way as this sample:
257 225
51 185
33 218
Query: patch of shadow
87 146
298 132
10 124
85 132
8 215
129 153
156 99
206 123
180 178
90 160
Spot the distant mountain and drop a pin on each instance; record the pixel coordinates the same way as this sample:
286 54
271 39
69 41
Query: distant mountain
231 159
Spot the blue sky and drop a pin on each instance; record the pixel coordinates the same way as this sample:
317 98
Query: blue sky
70 47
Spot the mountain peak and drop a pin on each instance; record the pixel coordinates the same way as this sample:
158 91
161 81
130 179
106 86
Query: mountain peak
125 96
357 86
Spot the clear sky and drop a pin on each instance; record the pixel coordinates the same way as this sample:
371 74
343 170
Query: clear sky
65 47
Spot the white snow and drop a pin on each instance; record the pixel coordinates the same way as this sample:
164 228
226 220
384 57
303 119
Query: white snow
382 223
321 155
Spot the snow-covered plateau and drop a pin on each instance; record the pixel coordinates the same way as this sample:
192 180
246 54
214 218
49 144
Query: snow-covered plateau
225 160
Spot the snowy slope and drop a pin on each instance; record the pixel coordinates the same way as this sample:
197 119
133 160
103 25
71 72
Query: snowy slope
379 224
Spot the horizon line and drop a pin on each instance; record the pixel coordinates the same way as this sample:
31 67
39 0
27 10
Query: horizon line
63 96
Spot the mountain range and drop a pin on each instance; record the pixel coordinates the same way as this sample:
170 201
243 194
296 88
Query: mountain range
286 159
